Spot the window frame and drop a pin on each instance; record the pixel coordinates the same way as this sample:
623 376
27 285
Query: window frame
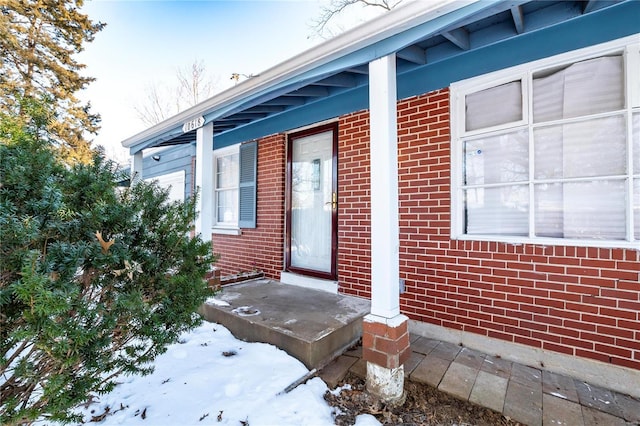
629 48
225 227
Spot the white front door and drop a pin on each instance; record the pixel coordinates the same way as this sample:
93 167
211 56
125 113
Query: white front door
312 203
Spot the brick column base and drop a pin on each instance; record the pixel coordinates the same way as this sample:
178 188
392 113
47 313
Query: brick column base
385 341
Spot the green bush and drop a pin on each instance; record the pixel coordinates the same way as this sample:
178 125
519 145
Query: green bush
95 281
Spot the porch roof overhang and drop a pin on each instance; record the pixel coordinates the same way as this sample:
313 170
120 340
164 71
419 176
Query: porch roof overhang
332 78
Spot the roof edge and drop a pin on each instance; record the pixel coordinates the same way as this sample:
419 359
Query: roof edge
381 27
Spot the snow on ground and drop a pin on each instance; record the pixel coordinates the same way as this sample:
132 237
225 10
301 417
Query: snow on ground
211 378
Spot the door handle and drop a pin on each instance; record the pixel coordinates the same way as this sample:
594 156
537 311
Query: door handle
333 202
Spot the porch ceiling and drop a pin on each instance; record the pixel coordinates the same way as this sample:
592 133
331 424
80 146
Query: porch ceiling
482 24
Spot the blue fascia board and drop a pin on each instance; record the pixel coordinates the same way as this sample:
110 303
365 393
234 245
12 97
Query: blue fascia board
597 27
327 108
604 25
150 143
376 49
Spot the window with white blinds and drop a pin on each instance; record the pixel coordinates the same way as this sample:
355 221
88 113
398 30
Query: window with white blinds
550 151
226 172
235 185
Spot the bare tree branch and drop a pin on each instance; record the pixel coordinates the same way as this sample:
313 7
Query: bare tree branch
328 14
194 85
155 108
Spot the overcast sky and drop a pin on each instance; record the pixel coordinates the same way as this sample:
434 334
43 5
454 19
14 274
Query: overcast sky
145 42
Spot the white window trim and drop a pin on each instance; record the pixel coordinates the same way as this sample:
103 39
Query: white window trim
220 228
629 47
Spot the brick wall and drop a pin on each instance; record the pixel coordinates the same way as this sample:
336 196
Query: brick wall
260 248
573 300
354 195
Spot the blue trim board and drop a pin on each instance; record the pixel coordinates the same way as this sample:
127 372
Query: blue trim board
374 50
446 63
172 159
598 27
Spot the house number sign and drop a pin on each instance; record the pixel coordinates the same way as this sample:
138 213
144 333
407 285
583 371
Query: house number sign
196 123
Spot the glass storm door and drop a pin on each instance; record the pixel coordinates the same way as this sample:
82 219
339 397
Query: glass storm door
312 202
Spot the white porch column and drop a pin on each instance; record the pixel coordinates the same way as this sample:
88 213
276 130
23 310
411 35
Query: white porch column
385 240
204 180
385 333
136 166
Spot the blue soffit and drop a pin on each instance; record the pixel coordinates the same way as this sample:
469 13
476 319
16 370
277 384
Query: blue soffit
434 47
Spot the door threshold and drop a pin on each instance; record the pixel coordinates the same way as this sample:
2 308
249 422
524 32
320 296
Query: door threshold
309 282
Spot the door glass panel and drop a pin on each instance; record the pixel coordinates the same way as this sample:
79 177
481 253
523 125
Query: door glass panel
311 202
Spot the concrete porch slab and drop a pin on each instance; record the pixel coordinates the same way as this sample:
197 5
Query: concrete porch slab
311 325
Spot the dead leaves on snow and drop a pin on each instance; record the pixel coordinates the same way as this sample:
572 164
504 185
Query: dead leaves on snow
107 411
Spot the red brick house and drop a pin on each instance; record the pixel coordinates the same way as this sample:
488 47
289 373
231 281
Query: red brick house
473 168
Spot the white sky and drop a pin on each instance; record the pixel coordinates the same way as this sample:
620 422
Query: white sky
211 378
146 42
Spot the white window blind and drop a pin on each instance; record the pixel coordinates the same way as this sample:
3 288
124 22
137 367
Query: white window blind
562 94
497 105
593 147
636 168
227 188
492 165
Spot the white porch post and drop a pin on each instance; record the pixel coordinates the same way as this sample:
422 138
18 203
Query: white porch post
385 269
136 166
204 180
385 331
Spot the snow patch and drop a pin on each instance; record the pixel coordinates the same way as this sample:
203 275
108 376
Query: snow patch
232 390
216 302
338 390
178 353
194 384
366 420
246 311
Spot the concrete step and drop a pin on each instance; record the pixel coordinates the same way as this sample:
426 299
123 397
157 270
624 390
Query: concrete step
311 325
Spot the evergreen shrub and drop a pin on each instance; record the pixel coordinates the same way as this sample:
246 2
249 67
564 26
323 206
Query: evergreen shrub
95 280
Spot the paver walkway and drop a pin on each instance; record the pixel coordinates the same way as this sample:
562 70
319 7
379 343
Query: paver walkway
525 394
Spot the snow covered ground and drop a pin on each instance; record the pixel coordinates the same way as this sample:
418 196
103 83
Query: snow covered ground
212 378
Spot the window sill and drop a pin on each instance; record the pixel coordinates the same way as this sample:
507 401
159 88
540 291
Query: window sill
611 244
226 231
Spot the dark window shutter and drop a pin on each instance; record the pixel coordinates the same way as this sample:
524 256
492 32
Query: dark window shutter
248 172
